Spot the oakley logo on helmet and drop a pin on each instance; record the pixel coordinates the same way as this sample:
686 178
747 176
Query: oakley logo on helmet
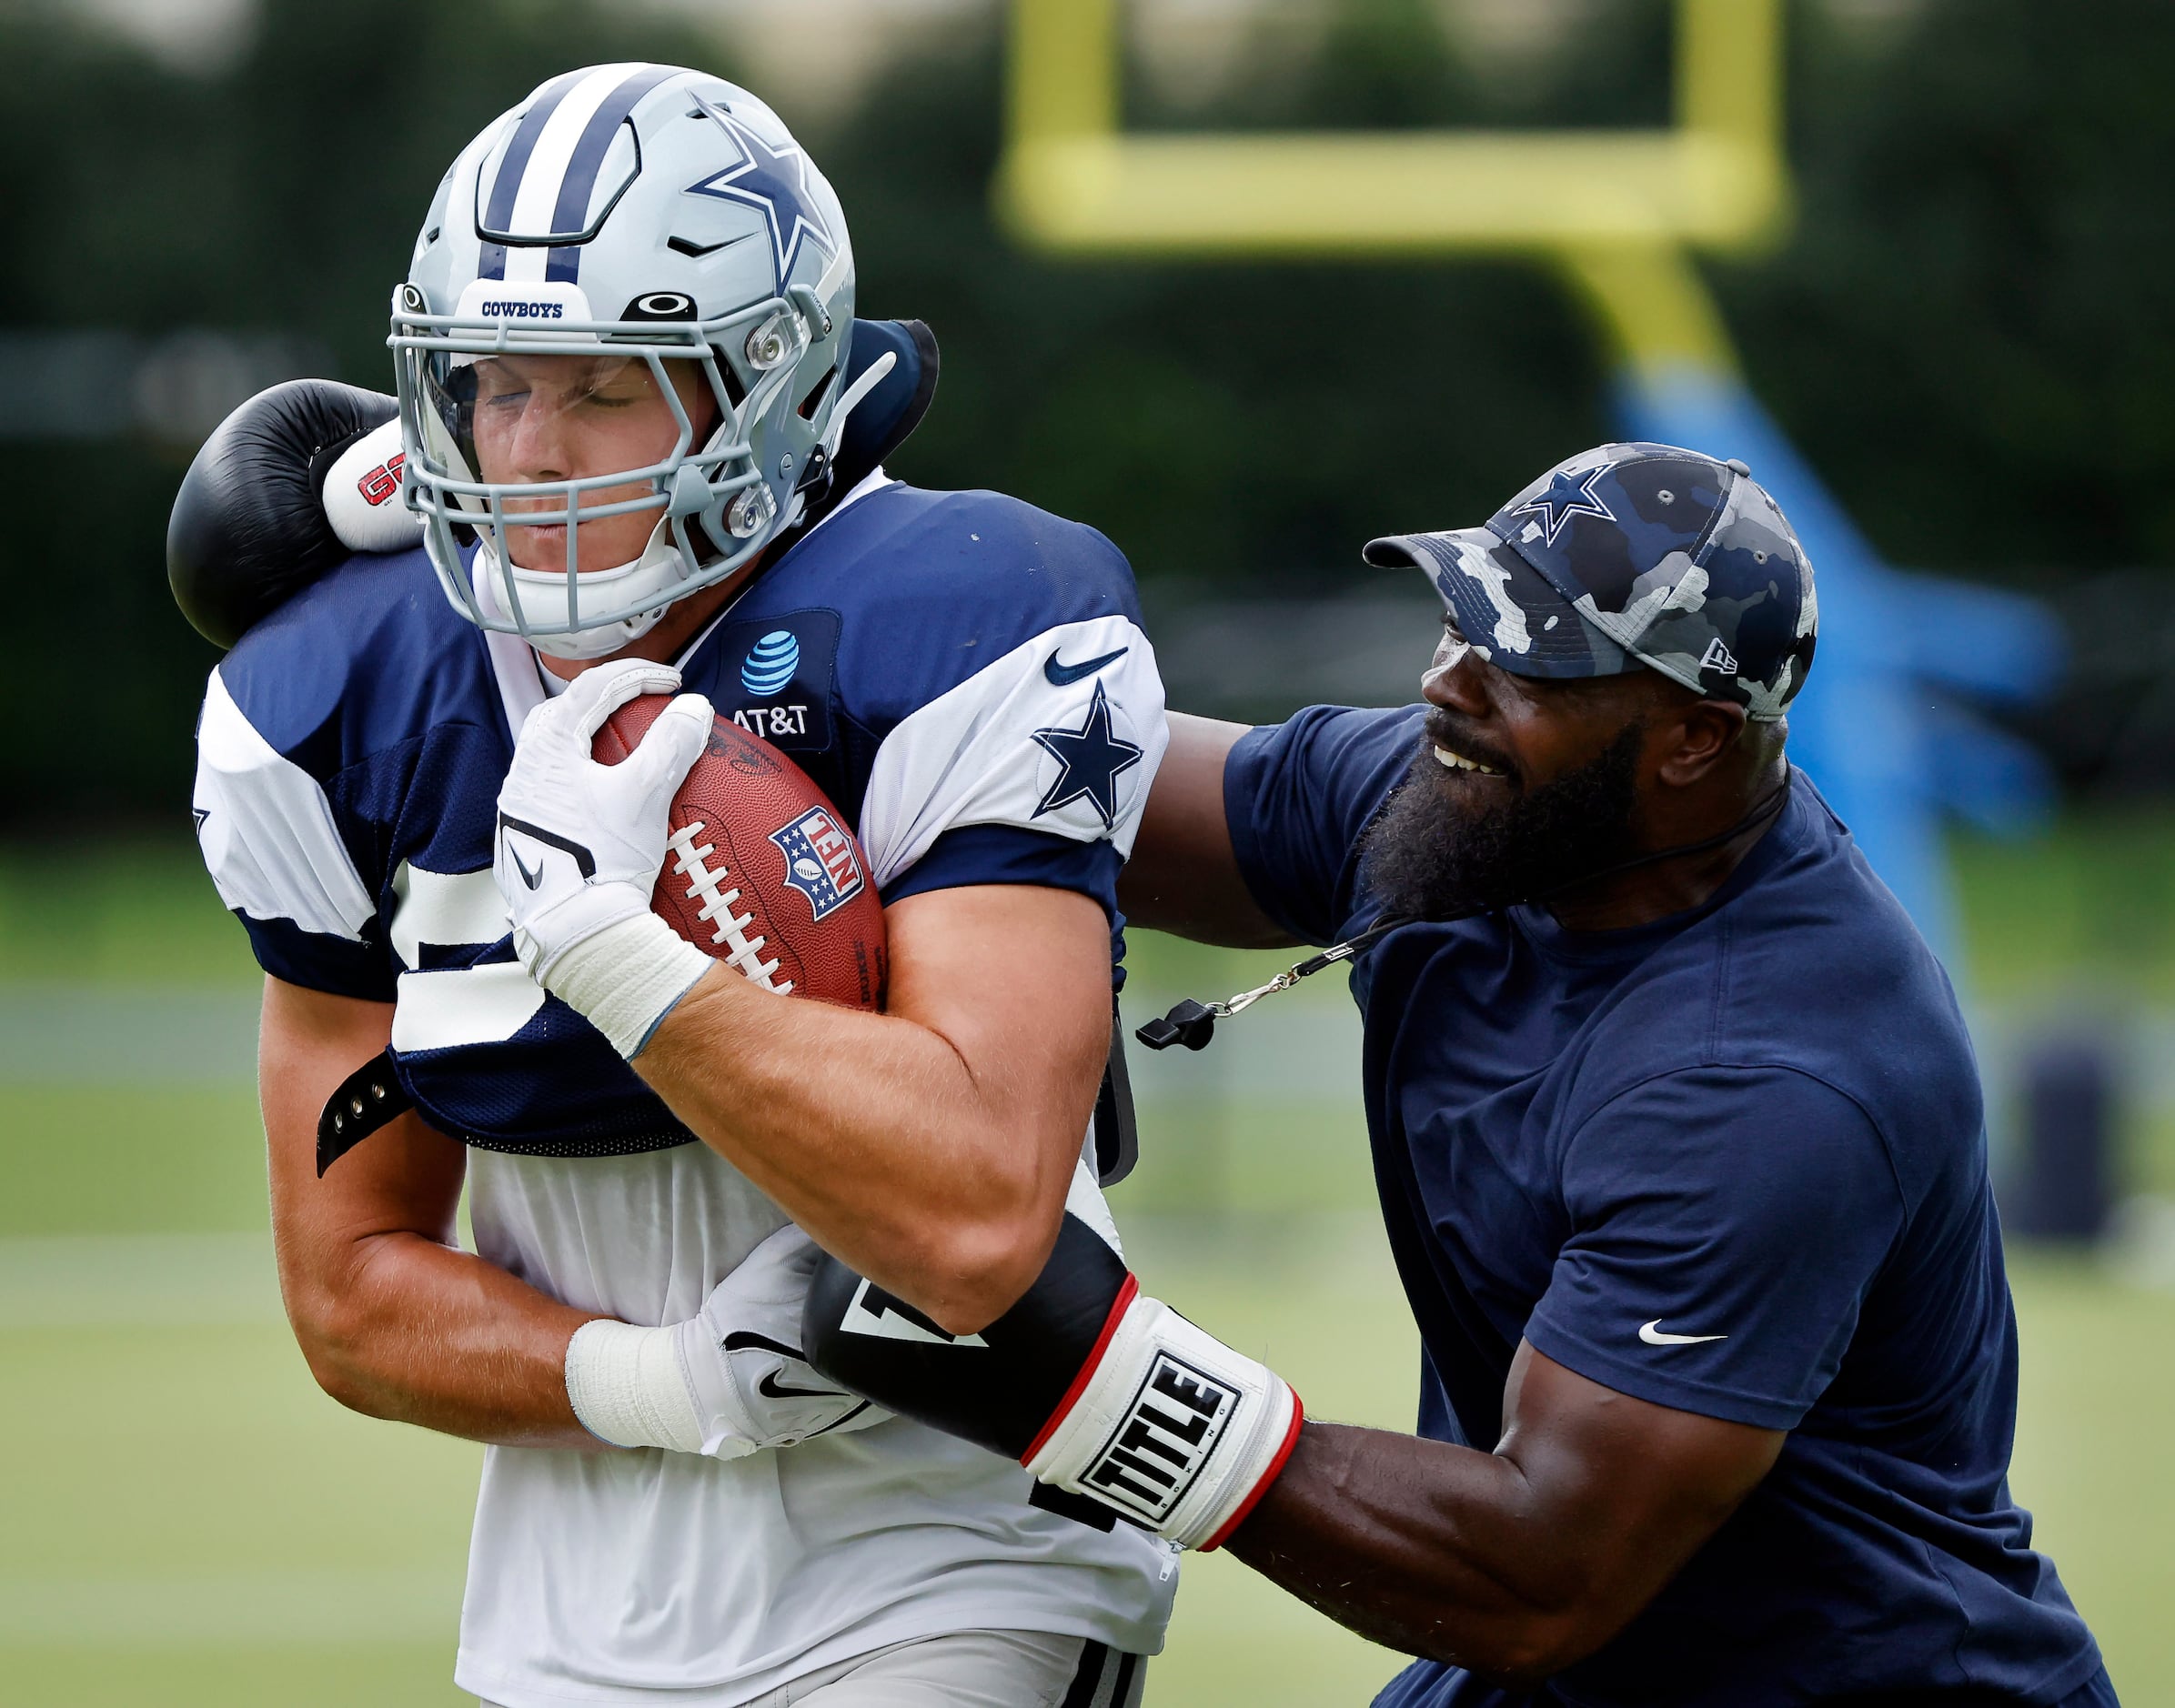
660 305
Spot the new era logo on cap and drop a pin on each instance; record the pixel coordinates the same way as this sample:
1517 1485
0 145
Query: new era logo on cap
1718 658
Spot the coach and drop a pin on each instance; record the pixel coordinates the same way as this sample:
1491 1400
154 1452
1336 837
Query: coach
1679 1144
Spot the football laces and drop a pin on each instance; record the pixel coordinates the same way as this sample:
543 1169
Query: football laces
707 883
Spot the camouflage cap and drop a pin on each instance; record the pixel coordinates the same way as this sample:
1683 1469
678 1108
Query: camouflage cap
1633 555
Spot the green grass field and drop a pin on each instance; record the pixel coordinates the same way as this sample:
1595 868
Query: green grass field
187 1521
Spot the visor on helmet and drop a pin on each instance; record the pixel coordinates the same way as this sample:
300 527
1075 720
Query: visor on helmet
541 444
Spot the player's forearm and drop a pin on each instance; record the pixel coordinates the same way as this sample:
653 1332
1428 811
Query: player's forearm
874 1133
404 1328
1429 1548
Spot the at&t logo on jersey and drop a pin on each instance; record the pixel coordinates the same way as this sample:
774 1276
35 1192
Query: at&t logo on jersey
768 670
820 861
770 662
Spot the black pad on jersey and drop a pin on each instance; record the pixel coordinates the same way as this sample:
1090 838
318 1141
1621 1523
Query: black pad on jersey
998 1394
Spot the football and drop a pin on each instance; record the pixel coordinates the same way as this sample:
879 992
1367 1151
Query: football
761 871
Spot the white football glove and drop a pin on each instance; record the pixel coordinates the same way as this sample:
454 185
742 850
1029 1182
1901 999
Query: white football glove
579 845
729 1381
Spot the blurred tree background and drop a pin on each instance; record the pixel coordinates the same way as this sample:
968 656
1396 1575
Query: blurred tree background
1966 329
1963 331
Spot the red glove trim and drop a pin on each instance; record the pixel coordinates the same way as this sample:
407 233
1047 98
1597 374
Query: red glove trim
1126 1295
1275 1470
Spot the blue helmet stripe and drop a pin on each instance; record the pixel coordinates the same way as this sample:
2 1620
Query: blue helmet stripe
507 185
571 213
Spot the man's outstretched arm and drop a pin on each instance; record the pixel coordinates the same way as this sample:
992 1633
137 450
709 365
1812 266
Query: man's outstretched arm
1514 1563
1184 877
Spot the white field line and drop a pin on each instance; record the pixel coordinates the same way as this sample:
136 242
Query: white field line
267 1609
135 1281
107 1035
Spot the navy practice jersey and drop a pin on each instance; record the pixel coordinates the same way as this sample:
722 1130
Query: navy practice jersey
962 675
965 678
1732 1162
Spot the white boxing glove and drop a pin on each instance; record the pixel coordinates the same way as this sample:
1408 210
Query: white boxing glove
362 494
729 1381
579 845
1092 1385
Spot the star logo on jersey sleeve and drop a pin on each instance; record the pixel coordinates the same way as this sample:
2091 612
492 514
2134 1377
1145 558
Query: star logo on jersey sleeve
1569 494
775 182
1090 761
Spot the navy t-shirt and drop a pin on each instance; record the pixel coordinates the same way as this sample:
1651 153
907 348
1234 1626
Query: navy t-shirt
1731 1162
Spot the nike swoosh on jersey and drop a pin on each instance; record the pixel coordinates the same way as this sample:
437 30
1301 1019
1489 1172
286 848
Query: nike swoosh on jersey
1654 1334
1064 675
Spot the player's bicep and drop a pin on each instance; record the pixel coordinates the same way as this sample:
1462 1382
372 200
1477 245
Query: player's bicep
405 1180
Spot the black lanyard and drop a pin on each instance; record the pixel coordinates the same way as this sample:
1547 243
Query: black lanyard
1193 1023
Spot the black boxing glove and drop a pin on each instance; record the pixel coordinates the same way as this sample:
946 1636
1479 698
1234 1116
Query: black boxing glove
249 529
1092 1386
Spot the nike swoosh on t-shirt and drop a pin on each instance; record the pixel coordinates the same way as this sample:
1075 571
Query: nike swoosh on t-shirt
1654 1334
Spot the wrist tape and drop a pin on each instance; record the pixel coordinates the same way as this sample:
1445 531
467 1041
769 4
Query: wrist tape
627 978
627 1386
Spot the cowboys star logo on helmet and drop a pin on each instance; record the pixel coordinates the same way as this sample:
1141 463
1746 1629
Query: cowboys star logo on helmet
776 181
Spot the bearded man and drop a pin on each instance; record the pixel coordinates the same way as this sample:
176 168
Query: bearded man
1681 1154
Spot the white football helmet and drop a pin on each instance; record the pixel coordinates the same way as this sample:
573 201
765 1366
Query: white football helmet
638 215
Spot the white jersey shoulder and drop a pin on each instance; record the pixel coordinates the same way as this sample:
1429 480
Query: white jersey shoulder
267 830
1062 734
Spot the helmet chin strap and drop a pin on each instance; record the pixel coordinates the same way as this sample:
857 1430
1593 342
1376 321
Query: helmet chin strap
1194 1024
549 587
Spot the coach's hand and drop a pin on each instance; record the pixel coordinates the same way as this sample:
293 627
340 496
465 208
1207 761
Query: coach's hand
580 846
1092 1386
729 1381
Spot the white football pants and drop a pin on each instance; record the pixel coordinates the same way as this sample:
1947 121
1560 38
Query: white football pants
973 1669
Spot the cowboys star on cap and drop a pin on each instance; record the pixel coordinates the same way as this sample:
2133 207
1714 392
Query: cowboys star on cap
1089 761
776 181
1570 493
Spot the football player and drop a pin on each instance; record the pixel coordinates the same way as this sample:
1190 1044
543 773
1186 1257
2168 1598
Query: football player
627 359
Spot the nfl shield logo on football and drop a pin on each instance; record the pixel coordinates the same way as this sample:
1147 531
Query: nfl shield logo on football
820 861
